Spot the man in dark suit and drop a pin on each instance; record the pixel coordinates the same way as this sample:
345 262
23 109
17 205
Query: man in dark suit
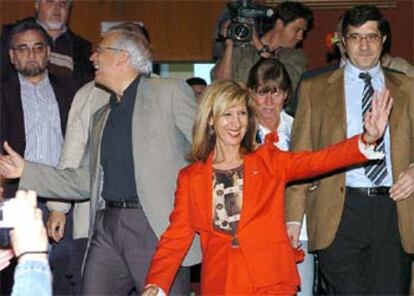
69 52
34 110
359 220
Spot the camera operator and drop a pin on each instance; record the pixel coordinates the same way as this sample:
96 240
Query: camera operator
29 241
282 33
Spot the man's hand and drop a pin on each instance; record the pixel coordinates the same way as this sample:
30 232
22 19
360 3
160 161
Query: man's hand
56 225
376 120
404 187
11 165
150 290
293 230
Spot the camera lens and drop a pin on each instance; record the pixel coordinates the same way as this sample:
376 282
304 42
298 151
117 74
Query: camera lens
241 32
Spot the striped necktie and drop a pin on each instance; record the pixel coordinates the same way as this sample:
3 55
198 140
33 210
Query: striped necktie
376 170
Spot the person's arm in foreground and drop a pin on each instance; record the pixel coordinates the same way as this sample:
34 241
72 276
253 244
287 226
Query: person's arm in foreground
47 181
32 276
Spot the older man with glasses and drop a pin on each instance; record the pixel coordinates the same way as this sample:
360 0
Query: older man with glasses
137 144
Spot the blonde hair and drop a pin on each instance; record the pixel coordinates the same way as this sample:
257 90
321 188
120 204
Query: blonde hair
217 98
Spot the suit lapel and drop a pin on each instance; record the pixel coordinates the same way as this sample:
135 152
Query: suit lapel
15 119
140 123
202 187
393 85
252 187
397 112
335 94
100 118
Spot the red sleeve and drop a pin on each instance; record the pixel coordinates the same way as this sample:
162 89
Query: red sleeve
175 241
303 165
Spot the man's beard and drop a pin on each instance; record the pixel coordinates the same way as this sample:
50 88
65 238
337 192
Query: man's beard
32 71
54 26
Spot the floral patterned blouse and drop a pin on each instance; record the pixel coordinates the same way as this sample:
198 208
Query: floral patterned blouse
227 200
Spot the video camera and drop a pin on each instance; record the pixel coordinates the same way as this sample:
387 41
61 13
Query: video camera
243 15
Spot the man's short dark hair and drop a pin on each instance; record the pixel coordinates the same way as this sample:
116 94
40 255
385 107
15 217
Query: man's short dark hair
289 12
359 15
196 81
29 25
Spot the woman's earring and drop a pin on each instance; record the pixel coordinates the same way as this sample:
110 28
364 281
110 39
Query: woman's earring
210 130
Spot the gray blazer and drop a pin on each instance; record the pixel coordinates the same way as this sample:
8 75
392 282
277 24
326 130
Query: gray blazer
86 102
161 136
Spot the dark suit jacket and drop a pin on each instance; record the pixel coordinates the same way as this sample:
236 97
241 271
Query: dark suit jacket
12 117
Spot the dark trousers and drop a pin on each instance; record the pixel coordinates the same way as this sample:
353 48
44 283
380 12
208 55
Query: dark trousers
120 253
366 256
75 268
60 258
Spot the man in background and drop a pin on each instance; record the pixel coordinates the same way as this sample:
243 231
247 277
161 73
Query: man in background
198 85
69 52
34 110
282 34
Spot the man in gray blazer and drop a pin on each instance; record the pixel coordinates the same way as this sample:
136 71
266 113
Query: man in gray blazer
137 144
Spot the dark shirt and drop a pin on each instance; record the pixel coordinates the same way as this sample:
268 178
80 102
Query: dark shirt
116 148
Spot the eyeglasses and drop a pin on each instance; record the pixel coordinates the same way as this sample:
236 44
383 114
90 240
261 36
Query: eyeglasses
24 49
357 38
100 49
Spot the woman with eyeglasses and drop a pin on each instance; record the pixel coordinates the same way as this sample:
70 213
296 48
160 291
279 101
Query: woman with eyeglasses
271 88
233 197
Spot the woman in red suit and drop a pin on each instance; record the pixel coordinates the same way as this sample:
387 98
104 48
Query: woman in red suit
233 197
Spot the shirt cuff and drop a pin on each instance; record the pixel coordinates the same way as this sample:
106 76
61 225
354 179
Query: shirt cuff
59 206
369 151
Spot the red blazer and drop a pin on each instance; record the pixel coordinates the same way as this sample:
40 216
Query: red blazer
262 235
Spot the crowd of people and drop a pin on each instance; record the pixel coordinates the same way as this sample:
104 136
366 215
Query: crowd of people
289 181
